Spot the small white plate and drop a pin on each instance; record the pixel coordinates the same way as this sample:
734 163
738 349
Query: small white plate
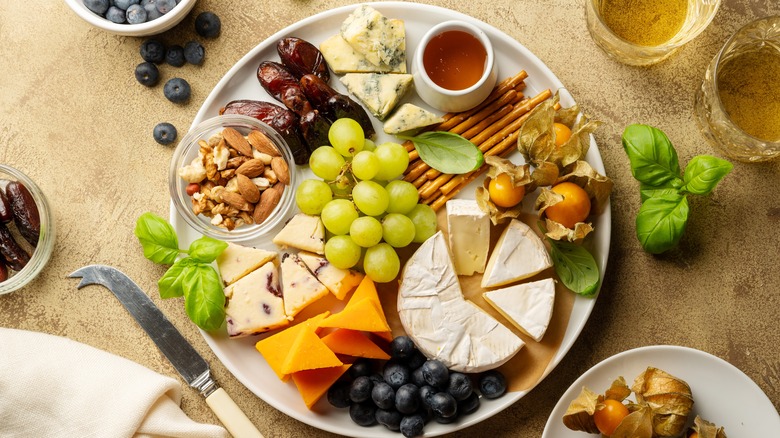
722 394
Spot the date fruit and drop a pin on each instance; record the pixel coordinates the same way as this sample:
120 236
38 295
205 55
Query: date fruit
314 128
283 86
6 215
25 211
13 254
3 272
302 58
335 105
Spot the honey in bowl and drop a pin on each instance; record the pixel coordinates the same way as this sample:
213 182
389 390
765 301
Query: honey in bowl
644 22
454 60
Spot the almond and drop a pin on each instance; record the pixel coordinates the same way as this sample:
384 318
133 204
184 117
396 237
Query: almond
237 141
234 200
252 168
248 189
281 170
268 202
262 143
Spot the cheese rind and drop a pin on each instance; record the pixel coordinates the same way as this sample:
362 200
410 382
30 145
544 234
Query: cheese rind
380 93
236 261
469 235
342 58
380 40
441 322
409 118
519 254
299 286
339 281
254 303
303 232
528 306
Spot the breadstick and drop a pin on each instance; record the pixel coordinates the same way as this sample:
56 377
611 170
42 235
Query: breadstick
503 87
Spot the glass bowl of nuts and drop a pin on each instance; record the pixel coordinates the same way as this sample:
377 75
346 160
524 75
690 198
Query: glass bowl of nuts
233 178
26 230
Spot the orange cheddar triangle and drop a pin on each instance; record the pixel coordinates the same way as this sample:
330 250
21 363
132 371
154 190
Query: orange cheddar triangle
308 352
367 290
362 315
313 384
276 348
387 336
353 343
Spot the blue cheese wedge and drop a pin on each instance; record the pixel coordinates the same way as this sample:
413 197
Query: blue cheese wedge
469 235
409 118
519 254
254 303
441 322
342 58
528 306
339 281
380 93
380 40
236 261
303 232
299 286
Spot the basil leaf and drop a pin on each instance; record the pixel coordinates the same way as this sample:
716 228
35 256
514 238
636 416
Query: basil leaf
204 299
653 158
157 238
447 152
206 249
661 222
703 173
575 266
646 192
170 284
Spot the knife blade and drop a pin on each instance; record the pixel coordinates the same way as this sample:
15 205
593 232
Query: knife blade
185 359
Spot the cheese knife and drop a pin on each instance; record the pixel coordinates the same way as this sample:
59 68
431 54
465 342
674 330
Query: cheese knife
190 365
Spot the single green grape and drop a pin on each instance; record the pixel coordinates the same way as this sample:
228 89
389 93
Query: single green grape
337 216
312 195
424 219
381 263
393 160
346 136
398 230
403 196
370 198
326 163
342 252
365 165
366 231
369 145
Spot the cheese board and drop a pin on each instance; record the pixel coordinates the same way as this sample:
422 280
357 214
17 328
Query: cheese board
239 355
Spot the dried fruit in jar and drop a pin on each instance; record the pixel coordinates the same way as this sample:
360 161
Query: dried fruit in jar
6 215
15 257
302 58
26 215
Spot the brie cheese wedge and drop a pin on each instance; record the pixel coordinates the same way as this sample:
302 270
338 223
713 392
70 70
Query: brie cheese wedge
299 287
441 322
528 306
469 232
254 303
519 254
237 261
303 232
339 281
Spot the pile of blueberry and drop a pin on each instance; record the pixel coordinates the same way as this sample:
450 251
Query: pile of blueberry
411 390
131 11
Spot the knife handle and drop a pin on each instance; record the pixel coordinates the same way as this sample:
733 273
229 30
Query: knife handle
231 416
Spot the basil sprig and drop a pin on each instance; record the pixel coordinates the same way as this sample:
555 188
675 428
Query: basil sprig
575 266
447 152
663 216
191 276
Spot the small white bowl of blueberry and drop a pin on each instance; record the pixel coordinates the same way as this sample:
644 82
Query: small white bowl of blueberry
132 17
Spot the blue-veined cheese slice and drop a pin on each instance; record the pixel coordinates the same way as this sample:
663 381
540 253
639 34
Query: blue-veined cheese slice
380 93
528 306
408 118
380 40
342 58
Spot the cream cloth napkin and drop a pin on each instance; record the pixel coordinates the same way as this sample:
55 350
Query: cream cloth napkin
56 387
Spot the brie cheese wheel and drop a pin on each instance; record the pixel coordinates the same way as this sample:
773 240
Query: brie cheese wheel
339 281
380 93
441 322
408 118
299 286
254 303
469 232
303 232
519 254
528 306
342 58
236 261
380 40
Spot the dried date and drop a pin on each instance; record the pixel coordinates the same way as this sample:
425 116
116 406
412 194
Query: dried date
283 86
6 215
335 105
3 272
13 254
25 211
314 128
302 58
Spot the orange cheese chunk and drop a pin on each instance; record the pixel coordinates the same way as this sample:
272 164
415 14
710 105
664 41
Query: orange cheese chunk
367 290
308 352
276 348
387 336
313 384
353 343
362 315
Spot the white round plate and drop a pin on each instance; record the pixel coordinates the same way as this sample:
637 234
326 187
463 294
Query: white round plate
239 355
722 394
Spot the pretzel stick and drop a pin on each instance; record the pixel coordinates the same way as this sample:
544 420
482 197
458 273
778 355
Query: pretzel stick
506 98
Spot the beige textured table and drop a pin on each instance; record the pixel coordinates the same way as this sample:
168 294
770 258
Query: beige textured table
73 117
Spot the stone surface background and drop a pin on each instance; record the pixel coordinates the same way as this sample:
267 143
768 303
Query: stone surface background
73 118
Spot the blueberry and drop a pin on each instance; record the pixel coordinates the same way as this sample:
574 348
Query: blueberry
436 373
390 419
418 378
136 14
147 74
407 398
97 6
165 6
375 378
360 390
164 133
363 414
396 374
207 25
338 394
153 51
416 360
492 384
361 367
150 6
177 90
459 386
402 347
125 4
443 405
412 425
194 53
175 56
426 392
383 395
470 405
115 15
